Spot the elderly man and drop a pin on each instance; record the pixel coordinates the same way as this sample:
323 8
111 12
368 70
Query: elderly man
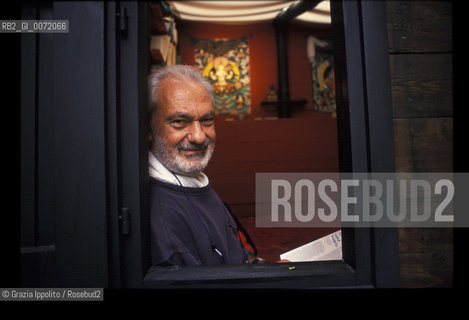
190 225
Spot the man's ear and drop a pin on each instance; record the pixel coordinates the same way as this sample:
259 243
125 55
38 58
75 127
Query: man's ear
150 139
150 130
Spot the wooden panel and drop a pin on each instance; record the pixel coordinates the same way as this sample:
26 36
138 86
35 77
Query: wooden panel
424 144
420 270
421 239
419 26
423 124
426 257
422 85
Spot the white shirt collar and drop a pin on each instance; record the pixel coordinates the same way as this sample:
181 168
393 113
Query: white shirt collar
158 171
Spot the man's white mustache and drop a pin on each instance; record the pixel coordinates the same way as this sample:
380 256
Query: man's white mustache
195 146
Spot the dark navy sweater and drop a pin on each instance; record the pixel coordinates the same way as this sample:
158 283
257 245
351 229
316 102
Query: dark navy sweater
191 226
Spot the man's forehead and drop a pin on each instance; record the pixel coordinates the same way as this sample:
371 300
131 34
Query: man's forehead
183 85
179 89
188 115
175 95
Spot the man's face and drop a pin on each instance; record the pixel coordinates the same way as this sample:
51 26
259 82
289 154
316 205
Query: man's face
183 131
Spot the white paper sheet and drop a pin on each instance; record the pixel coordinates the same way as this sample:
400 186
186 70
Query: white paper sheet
326 248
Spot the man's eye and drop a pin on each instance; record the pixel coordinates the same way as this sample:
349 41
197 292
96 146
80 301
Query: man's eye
206 121
179 122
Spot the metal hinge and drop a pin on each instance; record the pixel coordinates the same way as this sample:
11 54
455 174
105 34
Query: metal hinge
124 219
122 19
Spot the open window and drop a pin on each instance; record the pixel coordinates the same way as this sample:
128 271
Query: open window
84 152
359 58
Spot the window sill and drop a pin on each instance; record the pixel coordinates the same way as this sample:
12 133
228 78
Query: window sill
299 275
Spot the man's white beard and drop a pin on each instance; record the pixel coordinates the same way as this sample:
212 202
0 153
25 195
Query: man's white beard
191 165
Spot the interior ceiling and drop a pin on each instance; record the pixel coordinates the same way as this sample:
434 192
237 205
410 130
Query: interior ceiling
245 11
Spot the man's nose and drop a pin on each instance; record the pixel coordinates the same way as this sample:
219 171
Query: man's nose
196 133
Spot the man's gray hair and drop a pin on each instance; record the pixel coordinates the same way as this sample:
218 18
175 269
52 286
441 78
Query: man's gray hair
177 72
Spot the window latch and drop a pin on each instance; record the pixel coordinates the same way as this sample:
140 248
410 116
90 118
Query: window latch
124 219
122 19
